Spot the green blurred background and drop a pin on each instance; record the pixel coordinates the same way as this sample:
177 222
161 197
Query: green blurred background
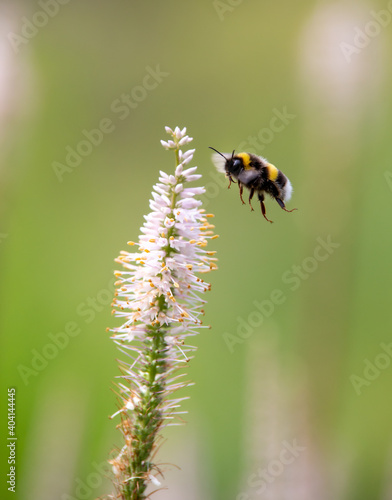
315 371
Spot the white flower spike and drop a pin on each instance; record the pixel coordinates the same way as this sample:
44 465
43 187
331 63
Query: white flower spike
157 299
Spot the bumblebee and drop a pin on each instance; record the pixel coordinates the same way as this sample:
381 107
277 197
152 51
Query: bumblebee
257 175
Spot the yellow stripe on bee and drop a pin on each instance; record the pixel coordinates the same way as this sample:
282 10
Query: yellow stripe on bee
272 172
246 160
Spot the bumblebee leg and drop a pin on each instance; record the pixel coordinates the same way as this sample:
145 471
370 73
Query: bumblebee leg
283 206
261 200
241 191
252 192
231 180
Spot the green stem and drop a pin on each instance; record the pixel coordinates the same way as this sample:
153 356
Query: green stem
148 419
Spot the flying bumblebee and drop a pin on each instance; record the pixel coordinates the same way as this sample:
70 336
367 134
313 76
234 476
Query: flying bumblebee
257 175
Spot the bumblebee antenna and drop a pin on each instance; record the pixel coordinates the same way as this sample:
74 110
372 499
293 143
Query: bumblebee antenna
232 155
219 153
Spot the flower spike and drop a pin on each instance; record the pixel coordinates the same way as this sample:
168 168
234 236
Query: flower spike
158 300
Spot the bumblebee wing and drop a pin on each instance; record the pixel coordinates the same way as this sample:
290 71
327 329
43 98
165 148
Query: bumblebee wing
247 176
220 162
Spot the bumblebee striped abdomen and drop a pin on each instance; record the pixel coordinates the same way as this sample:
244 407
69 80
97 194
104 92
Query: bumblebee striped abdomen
282 186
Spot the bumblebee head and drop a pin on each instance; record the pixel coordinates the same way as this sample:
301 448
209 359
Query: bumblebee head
235 164
227 164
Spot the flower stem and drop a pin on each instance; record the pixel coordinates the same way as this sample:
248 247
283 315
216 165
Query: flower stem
149 417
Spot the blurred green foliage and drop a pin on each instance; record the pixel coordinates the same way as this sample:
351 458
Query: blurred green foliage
226 69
